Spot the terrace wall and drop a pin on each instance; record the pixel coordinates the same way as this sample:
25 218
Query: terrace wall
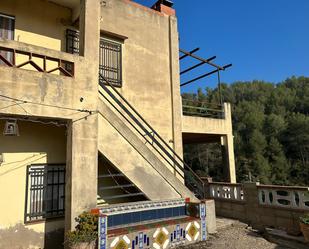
261 206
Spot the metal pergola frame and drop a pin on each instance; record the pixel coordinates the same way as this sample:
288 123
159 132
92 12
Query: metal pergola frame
202 61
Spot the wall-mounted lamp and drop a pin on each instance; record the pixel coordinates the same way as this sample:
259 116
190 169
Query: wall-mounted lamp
11 128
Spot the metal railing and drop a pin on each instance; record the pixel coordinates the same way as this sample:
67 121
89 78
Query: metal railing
143 128
191 107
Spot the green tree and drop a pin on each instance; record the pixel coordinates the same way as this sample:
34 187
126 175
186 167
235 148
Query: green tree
271 130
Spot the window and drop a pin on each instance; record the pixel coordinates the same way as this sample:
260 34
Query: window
72 42
45 191
111 61
110 66
6 32
7 27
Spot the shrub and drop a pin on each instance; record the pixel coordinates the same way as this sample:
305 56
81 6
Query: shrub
86 230
305 219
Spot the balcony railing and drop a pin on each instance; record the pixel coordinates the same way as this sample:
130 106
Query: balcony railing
202 109
261 206
24 56
226 191
284 197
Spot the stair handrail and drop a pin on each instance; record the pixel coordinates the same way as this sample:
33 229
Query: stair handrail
174 154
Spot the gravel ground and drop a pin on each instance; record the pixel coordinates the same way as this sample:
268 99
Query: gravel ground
235 237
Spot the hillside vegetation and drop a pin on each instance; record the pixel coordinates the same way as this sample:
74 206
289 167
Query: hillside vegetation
271 132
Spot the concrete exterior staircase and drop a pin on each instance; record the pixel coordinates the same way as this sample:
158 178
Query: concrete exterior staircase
126 151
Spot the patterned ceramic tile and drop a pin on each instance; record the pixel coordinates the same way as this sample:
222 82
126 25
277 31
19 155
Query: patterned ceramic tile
160 238
120 243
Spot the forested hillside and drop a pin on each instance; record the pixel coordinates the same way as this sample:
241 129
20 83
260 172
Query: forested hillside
271 131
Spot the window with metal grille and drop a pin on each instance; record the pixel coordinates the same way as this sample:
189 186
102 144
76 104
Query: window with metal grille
7 24
72 41
110 56
111 61
45 191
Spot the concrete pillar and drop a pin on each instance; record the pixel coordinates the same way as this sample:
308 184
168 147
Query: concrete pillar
229 170
211 216
175 86
228 142
82 141
81 170
252 205
89 23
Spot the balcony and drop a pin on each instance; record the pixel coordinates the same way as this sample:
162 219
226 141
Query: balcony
24 56
33 74
202 109
204 118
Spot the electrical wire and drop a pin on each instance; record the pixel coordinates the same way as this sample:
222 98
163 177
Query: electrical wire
15 103
46 105
2 108
34 121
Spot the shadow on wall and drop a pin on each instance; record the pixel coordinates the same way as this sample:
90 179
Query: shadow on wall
36 138
53 239
21 237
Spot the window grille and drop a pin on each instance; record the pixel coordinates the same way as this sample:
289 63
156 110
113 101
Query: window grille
7 26
110 56
45 191
111 61
72 41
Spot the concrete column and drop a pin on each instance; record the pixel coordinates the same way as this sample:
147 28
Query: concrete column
89 23
252 205
81 170
211 216
82 141
175 86
228 158
228 142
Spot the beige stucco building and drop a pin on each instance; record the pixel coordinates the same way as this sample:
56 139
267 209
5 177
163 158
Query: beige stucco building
73 140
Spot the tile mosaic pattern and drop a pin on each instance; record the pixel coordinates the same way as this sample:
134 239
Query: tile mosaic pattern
141 206
203 221
120 243
178 236
141 241
159 231
159 235
102 224
192 231
136 228
146 215
160 238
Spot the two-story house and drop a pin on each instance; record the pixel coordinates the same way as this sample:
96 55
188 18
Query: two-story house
90 113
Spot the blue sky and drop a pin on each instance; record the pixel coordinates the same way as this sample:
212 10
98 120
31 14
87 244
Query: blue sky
264 39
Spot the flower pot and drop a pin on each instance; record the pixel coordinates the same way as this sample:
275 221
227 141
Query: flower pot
84 245
305 230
